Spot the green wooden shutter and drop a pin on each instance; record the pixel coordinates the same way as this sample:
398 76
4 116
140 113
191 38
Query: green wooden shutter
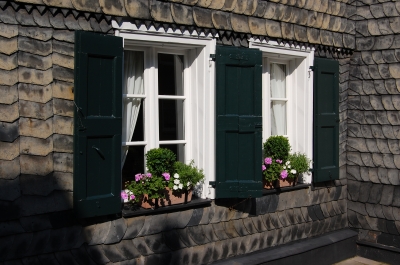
326 120
239 122
97 124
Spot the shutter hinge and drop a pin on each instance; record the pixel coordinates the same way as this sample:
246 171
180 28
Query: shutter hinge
212 57
212 183
312 68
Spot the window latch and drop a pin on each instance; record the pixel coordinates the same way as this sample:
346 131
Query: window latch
312 68
212 57
212 183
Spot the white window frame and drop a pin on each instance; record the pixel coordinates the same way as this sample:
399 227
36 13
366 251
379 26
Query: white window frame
199 92
299 89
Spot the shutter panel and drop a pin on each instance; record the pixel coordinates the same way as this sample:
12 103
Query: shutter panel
239 122
97 124
326 120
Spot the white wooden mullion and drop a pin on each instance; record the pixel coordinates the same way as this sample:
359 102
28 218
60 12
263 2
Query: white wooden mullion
138 143
129 96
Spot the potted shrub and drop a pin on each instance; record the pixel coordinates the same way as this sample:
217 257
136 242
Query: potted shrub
276 153
298 163
147 188
180 186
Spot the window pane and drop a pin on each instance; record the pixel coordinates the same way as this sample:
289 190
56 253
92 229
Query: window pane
278 80
171 121
134 163
178 149
133 72
138 133
278 117
170 74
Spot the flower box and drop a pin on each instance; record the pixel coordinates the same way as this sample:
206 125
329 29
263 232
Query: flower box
269 185
287 182
175 197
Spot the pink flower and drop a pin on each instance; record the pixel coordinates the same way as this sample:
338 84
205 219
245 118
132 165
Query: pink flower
278 161
268 160
132 197
138 177
124 195
264 168
284 174
148 175
166 175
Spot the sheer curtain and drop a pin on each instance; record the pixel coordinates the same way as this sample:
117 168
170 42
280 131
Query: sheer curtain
278 107
133 84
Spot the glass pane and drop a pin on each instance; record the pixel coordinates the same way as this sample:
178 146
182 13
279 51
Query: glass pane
138 133
170 74
178 149
134 163
171 122
278 80
278 117
133 72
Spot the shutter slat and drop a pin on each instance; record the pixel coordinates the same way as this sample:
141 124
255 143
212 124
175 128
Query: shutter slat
326 120
98 124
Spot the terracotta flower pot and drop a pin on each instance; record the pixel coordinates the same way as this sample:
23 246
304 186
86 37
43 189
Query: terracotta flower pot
175 197
287 182
147 203
269 185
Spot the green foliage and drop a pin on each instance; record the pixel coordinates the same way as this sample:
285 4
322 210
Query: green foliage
298 162
272 171
160 160
187 175
149 184
277 147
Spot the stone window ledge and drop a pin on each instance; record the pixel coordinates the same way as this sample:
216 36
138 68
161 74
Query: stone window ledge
127 211
286 189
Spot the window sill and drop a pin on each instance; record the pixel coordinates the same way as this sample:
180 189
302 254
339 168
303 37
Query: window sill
195 203
286 189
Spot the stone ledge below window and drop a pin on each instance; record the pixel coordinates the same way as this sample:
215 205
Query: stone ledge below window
194 203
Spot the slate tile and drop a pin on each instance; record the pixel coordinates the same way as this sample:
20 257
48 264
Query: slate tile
197 215
208 212
20 244
396 196
134 225
262 240
275 220
221 250
300 234
177 219
362 221
65 257
156 243
314 228
157 259
249 226
127 249
172 240
286 234
230 229
185 238
49 259
39 241
330 210
81 256
141 246
283 219
279 237
324 210
183 256
388 212
342 205
381 223
298 215
219 231
260 205
31 261
153 224
210 233
391 227
357 207
240 227
336 207
307 229
197 234
116 232
378 211
364 191
311 213
290 216
100 233
5 246
258 223
219 213
353 221
272 239
202 254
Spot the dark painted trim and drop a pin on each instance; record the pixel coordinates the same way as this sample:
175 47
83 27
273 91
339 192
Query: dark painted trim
326 249
195 203
378 252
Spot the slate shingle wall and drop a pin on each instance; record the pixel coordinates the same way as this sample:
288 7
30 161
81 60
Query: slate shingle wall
36 109
373 152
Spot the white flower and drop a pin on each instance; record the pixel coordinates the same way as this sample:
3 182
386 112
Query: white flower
288 166
180 186
293 171
175 187
188 184
284 167
176 175
287 163
176 181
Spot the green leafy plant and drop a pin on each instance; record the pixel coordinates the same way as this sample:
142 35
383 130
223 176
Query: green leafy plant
297 163
160 160
272 169
277 147
148 184
186 176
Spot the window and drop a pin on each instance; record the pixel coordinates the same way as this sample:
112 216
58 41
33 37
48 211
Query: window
287 94
168 96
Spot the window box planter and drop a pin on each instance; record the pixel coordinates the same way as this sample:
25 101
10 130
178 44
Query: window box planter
171 198
287 182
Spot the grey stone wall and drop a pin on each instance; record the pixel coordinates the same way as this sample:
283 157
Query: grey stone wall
36 110
373 154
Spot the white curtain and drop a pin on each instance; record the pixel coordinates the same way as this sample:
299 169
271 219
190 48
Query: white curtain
278 90
133 84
